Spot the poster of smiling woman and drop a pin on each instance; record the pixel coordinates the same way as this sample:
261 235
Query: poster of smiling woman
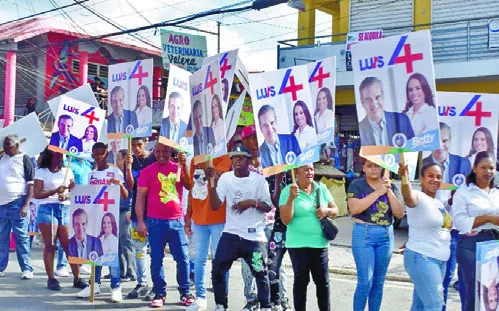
468 125
283 118
130 101
394 85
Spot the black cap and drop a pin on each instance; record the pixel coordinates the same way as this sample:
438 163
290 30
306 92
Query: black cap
240 151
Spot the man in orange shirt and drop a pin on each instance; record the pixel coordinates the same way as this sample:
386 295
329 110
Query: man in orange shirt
205 224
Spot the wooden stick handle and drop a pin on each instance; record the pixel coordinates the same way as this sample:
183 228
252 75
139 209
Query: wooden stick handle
405 179
212 179
92 284
293 178
179 173
129 144
67 170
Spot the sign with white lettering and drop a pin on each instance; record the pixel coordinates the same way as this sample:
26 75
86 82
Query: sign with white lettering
183 50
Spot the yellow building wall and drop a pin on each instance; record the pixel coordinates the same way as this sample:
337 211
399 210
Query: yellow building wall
306 23
422 13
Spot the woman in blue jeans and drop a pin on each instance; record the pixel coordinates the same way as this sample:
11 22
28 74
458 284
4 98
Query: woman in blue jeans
428 247
373 203
53 212
476 216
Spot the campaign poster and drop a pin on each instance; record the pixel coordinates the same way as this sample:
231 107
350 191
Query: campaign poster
394 85
284 123
76 127
227 63
233 115
468 125
32 225
129 111
487 276
177 111
356 37
391 162
30 133
94 218
322 80
183 50
82 93
208 119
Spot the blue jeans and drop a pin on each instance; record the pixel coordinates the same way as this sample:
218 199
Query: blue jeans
372 247
427 275
171 232
205 238
451 268
10 220
466 259
140 248
115 276
53 213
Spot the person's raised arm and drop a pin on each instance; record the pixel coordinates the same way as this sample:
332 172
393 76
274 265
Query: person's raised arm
410 197
286 202
182 162
395 204
215 202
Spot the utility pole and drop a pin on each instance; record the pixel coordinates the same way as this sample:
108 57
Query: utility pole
218 37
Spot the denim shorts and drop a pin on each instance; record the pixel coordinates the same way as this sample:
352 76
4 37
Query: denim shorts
55 213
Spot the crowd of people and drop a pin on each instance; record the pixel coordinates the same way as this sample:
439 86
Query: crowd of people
211 208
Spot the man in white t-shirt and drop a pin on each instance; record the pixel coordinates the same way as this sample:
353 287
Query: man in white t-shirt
107 174
247 200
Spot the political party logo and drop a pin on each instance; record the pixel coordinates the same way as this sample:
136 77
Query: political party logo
129 129
224 65
472 109
102 198
399 140
89 113
408 58
209 148
183 142
389 159
73 150
93 256
288 85
210 81
290 157
136 73
318 75
458 180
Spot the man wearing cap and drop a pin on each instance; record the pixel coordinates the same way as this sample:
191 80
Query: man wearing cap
243 235
16 191
274 149
275 232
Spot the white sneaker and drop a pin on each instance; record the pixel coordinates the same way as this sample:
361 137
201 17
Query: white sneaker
220 308
84 269
27 275
265 309
198 305
62 272
85 293
277 308
2 273
116 295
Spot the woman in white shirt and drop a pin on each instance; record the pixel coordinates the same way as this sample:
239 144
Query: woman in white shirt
51 190
89 138
324 111
143 108
420 107
109 234
481 141
303 128
476 215
428 247
217 123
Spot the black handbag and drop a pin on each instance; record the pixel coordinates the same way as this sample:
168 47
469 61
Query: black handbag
329 228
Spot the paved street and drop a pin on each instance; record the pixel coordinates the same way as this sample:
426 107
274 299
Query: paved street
16 294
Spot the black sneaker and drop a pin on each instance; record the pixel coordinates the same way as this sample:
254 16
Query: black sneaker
251 306
138 291
79 283
285 305
149 296
107 276
53 284
125 279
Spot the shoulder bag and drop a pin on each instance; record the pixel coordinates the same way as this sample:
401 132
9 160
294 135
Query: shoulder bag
329 228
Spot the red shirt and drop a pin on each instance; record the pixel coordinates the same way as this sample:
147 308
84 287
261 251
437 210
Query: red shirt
164 194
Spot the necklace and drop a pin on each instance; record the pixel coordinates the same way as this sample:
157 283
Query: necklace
141 162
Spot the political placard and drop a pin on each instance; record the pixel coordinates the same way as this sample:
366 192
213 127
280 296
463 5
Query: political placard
130 102
487 276
322 80
177 111
183 50
30 133
227 62
208 109
391 162
394 85
468 125
232 120
76 127
359 36
285 127
82 93
94 218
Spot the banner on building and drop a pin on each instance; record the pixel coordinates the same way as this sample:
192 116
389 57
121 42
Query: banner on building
76 127
183 50
285 127
356 37
227 62
487 275
30 133
94 218
468 125
177 111
394 85
208 122
322 80
130 103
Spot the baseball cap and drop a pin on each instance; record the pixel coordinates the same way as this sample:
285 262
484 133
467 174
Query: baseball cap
248 131
240 151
